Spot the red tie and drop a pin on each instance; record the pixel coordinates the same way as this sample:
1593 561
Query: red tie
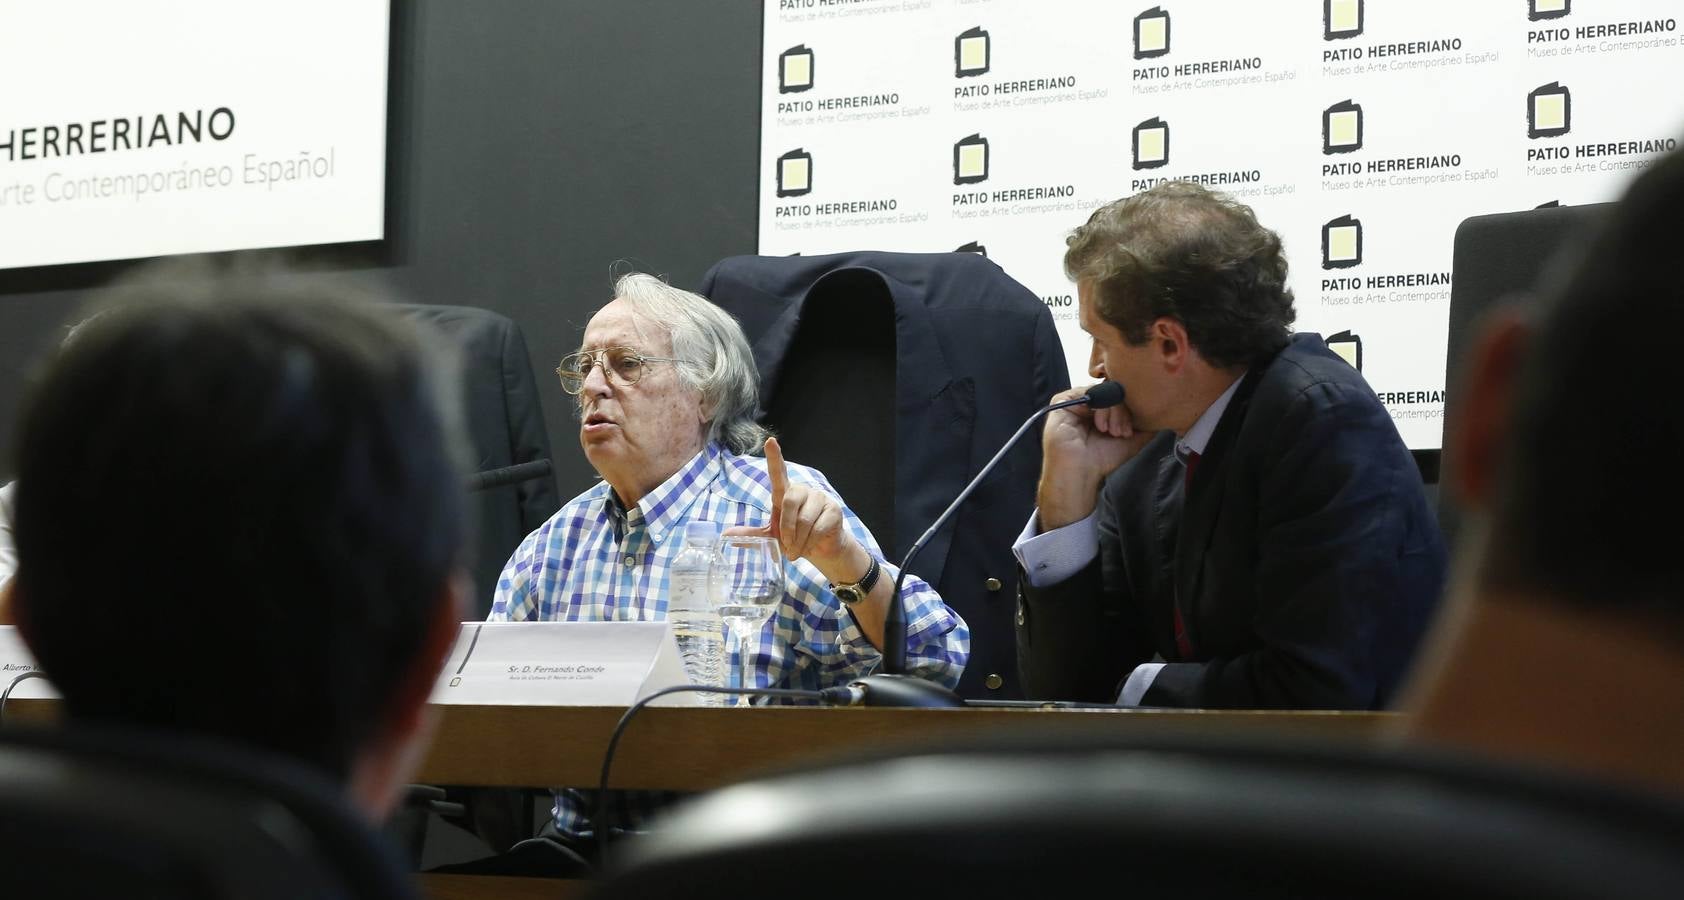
1184 646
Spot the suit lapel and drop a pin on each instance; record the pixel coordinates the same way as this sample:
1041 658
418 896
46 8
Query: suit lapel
1203 501
1167 501
935 413
770 349
771 294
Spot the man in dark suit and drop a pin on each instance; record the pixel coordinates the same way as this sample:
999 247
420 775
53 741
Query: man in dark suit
1248 529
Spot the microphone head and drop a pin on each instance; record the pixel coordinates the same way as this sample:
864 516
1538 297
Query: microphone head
1104 394
904 691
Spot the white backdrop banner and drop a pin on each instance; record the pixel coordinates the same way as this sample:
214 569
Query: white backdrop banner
1363 131
146 129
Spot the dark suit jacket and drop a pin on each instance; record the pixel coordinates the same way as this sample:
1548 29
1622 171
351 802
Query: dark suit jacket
505 427
1305 563
976 353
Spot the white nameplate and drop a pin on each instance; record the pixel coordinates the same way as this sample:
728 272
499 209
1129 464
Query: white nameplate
15 659
562 664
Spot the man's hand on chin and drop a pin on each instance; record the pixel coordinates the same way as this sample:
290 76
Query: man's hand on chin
1080 447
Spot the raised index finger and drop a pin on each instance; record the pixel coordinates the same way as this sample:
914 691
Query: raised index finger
780 482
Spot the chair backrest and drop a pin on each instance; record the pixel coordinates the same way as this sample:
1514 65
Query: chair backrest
505 423
107 813
834 404
1191 817
1505 257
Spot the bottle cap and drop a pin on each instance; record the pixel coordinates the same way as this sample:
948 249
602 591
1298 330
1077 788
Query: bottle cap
700 532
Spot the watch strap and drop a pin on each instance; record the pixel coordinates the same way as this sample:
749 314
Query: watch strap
859 590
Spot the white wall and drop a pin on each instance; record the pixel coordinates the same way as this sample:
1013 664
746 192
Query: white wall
1443 87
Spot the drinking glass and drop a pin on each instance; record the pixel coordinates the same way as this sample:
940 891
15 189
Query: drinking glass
751 573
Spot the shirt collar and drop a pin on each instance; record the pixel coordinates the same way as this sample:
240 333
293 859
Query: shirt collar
665 508
1197 438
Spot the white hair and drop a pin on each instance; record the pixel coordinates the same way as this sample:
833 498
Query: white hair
713 354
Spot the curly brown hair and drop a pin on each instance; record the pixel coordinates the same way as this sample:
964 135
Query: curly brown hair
1189 253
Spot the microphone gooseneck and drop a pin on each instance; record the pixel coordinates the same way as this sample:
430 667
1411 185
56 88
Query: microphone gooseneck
496 478
1100 396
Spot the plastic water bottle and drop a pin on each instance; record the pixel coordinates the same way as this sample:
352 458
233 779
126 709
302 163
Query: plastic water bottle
695 621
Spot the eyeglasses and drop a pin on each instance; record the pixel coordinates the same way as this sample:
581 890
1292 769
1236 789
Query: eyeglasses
622 365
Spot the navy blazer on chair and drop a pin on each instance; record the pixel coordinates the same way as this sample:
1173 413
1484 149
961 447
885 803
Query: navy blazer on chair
976 353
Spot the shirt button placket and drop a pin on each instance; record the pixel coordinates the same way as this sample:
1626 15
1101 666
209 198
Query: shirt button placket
629 601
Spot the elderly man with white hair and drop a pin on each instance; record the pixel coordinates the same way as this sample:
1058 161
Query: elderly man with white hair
667 389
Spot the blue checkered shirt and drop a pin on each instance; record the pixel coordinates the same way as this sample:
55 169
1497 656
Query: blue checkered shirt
595 560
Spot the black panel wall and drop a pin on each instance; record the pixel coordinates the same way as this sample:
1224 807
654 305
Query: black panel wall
537 143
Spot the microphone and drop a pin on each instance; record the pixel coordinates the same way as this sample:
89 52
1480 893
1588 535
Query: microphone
1103 395
892 688
902 691
496 478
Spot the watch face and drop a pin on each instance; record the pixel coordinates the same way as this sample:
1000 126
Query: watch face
848 594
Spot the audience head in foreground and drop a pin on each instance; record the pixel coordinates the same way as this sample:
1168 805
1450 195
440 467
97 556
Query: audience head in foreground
239 514
1564 642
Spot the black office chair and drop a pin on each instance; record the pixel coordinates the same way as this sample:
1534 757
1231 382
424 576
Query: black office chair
110 813
1505 257
1184 817
505 425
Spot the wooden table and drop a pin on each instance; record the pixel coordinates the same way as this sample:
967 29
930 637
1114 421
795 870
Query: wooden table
692 749
697 749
